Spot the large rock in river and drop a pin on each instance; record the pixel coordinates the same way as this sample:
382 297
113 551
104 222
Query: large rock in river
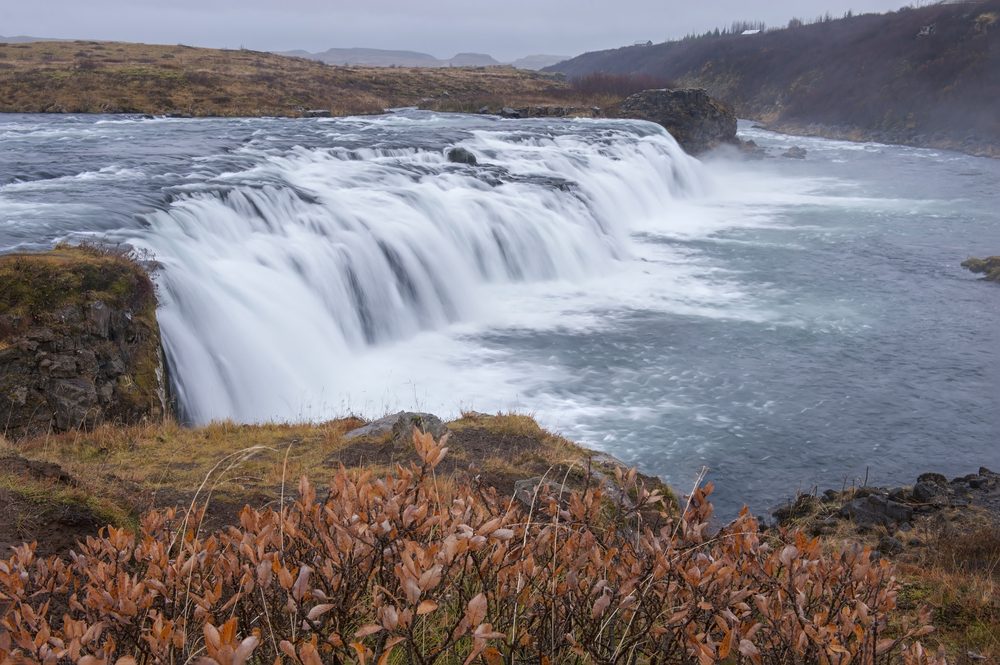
694 119
79 343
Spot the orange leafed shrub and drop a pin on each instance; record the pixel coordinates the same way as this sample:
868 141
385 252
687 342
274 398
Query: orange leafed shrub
395 569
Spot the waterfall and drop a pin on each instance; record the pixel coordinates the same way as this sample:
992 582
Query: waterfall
280 273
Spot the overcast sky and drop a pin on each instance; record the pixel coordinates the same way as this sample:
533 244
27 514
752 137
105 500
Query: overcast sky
505 29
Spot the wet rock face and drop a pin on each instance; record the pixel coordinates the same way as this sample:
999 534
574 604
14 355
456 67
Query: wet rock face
77 378
79 342
694 119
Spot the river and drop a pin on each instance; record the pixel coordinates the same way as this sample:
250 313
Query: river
786 323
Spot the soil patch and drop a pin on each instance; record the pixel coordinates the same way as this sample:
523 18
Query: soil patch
57 525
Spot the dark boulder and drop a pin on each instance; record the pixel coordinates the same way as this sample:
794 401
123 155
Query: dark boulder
795 152
317 113
694 119
927 492
507 112
890 546
874 510
461 156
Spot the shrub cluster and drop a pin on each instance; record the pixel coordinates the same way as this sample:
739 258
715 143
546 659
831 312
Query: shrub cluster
405 568
619 85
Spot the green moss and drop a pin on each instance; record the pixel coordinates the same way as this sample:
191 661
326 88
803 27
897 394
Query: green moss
35 284
989 266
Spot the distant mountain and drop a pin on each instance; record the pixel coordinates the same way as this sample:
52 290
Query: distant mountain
537 62
926 76
374 57
22 39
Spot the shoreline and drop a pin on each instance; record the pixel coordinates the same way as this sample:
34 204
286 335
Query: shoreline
972 146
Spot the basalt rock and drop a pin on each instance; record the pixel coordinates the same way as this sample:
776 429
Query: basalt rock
461 156
694 119
795 152
79 343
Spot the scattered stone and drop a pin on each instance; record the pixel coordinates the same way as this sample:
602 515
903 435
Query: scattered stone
897 494
926 492
890 546
527 491
461 156
695 120
933 478
507 112
874 510
317 113
484 110
830 496
401 426
751 150
906 527
915 542
795 152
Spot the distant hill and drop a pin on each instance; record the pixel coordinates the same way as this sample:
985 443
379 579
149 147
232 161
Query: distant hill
537 62
22 39
928 76
373 57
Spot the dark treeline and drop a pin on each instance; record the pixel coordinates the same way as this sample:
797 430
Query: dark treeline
619 85
916 74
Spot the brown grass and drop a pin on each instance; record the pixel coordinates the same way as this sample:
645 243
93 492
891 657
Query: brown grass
227 465
111 77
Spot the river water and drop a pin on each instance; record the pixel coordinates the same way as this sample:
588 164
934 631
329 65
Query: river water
786 323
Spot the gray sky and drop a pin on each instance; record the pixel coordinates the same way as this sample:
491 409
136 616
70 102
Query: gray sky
505 29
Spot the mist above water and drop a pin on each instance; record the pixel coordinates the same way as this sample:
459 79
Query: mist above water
784 323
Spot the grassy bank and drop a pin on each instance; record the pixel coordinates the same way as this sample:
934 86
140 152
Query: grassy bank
123 472
112 77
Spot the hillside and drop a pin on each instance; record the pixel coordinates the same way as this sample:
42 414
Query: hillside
927 76
111 77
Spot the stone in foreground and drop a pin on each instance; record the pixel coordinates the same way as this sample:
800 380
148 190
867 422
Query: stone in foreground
401 426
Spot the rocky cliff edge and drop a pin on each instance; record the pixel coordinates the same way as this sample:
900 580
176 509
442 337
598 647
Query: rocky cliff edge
79 342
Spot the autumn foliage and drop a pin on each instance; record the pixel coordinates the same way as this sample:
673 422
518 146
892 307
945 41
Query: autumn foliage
407 568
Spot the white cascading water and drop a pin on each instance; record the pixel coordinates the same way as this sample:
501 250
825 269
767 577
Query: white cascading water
278 278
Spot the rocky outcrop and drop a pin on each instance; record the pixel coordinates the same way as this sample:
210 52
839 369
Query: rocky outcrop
989 266
898 510
694 119
79 344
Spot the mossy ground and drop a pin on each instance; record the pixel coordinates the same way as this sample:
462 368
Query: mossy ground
36 286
